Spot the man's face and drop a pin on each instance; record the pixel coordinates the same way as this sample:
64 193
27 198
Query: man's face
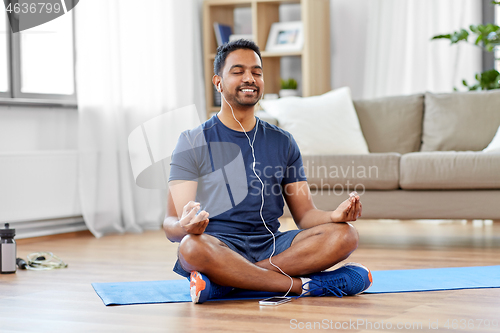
242 78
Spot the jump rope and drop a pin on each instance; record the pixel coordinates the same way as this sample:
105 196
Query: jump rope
251 142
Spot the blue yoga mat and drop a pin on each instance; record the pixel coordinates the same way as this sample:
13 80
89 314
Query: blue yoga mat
165 291
395 281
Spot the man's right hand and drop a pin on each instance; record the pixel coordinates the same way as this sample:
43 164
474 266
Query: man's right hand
192 223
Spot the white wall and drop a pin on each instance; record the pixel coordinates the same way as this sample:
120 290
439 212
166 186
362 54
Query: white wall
348 24
37 128
38 170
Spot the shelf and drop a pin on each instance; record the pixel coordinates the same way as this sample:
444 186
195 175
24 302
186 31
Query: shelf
314 57
268 54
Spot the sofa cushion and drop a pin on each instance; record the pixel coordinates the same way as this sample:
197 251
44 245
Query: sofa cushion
494 146
263 115
460 121
378 171
392 124
321 125
449 170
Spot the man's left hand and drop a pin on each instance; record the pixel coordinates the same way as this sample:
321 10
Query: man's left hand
349 210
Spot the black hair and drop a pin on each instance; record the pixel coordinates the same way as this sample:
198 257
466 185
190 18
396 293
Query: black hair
224 50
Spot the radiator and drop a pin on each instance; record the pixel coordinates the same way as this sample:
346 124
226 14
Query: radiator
39 192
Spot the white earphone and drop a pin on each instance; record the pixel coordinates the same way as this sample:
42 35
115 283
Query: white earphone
218 88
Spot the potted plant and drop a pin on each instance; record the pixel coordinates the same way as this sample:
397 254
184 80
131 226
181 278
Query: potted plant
288 88
488 38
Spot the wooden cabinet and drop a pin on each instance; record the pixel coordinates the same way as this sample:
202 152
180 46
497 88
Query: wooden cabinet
315 55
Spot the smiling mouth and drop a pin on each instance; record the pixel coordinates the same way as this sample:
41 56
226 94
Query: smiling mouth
248 90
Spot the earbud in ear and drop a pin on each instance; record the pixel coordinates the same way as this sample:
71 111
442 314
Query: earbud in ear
218 87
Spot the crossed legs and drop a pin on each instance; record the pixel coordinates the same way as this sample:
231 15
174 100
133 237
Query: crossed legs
311 251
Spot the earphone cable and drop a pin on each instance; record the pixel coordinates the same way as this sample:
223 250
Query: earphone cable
261 192
41 261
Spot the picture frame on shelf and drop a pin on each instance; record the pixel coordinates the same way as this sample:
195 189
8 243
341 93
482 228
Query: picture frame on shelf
285 37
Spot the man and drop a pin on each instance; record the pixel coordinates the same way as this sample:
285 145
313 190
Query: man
242 247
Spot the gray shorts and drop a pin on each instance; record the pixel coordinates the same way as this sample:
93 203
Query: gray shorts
254 248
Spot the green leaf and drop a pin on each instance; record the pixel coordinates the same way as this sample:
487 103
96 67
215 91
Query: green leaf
490 75
459 35
488 28
479 38
455 37
487 80
448 36
288 84
465 83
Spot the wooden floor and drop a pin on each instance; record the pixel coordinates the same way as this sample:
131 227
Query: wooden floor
64 301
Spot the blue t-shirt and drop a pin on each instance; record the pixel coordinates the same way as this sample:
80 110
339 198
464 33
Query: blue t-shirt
220 160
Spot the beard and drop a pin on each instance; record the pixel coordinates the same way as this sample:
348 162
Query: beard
240 99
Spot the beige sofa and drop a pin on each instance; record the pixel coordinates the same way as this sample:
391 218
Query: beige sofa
425 159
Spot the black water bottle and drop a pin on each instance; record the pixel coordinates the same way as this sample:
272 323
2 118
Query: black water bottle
7 250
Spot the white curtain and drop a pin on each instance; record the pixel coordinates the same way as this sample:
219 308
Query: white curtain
134 61
402 59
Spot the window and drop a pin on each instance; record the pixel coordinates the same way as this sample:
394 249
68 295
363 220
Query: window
4 68
38 63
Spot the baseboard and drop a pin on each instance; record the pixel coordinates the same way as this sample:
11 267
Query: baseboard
37 228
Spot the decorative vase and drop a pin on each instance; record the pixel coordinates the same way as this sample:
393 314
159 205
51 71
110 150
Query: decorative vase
288 92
